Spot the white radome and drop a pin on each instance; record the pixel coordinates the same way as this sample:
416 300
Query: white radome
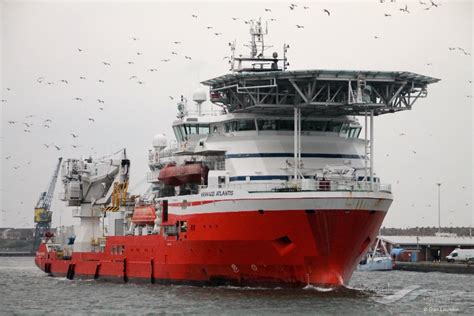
160 141
199 95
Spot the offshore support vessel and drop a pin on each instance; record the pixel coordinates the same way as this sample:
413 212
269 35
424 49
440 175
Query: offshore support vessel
277 188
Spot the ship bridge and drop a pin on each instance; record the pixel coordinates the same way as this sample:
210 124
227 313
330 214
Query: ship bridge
319 92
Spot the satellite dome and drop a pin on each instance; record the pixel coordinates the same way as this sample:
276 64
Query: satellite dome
160 141
199 95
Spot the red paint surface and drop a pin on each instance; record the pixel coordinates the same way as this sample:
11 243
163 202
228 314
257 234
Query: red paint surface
281 248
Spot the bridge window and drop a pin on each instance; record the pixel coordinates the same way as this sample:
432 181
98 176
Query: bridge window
354 132
344 130
313 126
240 126
285 125
266 125
334 126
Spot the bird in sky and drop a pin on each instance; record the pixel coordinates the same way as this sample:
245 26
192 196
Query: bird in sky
299 26
8 157
57 147
101 108
47 120
165 60
272 20
29 115
74 135
140 82
376 37
414 152
78 99
91 119
132 77
11 122
217 34
209 27
268 10
405 9
402 134
130 62
135 38
16 167
174 53
50 83
433 4
46 145
152 69
101 81
292 6
26 124
386 14
79 50
26 131
194 16
139 53
176 43
40 79
235 19
171 98
106 63
64 81
100 101
327 11
429 64
82 78
306 8
188 57
46 126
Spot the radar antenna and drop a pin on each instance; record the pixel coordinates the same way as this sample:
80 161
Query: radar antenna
257 61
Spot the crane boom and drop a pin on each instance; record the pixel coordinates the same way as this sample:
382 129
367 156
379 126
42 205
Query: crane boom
42 212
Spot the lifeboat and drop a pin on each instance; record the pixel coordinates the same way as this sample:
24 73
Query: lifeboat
194 173
144 215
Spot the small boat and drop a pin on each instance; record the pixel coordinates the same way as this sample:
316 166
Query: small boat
375 260
193 173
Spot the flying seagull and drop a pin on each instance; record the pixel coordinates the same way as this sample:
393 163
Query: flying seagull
91 119
405 9
327 11
74 135
187 57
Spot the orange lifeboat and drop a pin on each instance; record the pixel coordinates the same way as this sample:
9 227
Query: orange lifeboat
194 173
144 215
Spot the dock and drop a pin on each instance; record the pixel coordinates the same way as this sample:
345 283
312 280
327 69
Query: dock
17 254
461 268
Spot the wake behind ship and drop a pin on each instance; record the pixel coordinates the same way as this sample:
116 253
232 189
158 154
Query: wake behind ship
277 188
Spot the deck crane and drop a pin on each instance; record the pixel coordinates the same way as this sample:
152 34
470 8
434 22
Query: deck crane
42 213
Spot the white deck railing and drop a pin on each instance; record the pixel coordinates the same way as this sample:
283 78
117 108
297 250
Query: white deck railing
310 185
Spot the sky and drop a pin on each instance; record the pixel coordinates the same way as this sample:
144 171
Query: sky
44 44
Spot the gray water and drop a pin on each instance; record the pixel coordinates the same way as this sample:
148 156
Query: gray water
24 289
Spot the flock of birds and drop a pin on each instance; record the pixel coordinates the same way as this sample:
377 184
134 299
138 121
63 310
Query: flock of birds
31 120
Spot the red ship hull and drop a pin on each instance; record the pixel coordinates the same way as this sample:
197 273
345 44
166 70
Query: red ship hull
291 248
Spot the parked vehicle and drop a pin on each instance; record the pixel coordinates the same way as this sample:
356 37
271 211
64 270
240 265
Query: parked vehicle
461 255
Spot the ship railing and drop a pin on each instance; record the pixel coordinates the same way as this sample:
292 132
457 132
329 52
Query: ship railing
330 185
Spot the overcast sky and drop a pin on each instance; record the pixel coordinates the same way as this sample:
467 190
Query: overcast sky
41 40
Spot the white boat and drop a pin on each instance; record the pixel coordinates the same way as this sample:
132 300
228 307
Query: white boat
376 260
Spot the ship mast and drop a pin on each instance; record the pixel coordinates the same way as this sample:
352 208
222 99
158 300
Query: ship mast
256 60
